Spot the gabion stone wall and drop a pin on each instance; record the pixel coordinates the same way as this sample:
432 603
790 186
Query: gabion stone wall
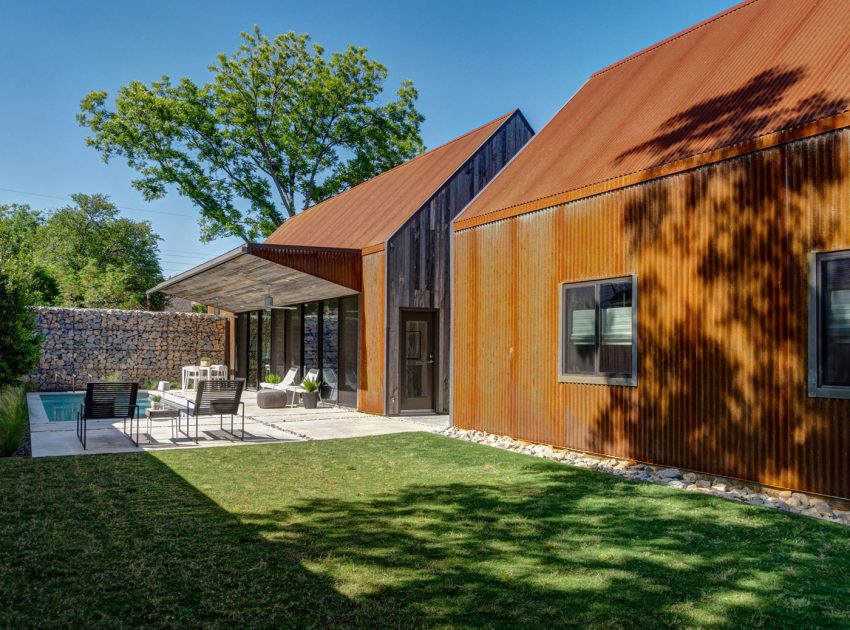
83 344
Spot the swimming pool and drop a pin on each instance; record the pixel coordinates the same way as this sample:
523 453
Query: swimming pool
64 407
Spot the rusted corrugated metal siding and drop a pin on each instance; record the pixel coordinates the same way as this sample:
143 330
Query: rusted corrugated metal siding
720 254
370 392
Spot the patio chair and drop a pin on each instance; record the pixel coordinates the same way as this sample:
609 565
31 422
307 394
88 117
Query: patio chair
218 372
190 373
109 401
330 385
287 380
214 398
296 389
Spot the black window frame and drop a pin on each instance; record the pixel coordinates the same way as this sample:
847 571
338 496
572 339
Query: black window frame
815 354
597 378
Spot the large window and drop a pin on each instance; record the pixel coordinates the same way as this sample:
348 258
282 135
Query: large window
316 335
599 332
829 325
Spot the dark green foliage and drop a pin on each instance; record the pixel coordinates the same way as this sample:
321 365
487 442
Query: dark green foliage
401 531
20 343
84 254
279 127
14 419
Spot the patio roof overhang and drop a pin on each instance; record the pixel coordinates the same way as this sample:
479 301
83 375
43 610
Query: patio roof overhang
240 279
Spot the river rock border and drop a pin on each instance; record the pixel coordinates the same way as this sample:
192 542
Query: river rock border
784 500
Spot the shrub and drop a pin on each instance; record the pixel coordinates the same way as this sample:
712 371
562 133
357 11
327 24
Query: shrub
20 343
14 419
311 384
114 376
273 379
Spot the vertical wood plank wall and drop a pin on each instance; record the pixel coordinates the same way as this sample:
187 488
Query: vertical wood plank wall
721 258
418 255
370 391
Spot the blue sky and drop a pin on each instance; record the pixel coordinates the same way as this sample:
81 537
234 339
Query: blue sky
471 61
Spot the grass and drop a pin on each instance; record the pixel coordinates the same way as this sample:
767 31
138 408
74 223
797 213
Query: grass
399 531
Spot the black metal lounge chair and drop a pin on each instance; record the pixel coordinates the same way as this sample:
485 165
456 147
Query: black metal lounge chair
215 398
108 401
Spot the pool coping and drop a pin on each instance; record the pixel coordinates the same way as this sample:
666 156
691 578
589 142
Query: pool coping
39 421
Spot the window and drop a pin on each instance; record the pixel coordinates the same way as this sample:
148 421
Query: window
829 325
599 332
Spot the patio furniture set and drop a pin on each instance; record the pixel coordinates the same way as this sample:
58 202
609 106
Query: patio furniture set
194 374
288 391
119 401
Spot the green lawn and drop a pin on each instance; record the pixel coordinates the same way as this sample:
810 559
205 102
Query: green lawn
396 531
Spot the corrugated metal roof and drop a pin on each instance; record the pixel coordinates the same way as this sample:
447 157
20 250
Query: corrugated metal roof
762 67
370 213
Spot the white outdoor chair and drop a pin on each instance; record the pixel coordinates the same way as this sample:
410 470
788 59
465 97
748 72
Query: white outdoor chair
287 380
218 373
297 390
330 382
191 373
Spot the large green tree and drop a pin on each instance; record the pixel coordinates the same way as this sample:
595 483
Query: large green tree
279 127
19 255
20 343
84 254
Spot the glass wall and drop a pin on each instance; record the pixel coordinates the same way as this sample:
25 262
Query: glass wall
349 331
316 335
251 377
330 348
310 343
292 341
265 344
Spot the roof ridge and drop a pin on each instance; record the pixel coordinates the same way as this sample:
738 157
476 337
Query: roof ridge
501 118
673 38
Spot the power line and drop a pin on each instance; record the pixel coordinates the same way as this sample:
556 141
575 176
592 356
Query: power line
176 254
65 198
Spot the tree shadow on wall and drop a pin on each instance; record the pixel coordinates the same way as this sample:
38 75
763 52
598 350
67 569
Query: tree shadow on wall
721 256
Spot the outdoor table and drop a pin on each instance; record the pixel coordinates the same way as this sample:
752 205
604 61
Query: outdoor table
205 373
160 414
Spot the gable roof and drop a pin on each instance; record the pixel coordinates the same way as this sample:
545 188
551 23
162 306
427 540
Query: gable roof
368 214
763 72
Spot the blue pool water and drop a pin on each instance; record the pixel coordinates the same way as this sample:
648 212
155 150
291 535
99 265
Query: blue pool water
64 407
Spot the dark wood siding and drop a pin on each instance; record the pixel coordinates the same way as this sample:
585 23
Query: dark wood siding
721 258
418 255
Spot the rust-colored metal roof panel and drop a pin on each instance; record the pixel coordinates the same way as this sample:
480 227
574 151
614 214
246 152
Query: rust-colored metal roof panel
760 68
370 213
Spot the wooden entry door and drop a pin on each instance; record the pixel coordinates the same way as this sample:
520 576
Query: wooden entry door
418 360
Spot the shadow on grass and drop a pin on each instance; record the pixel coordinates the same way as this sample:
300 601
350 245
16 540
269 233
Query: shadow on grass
122 541
568 547
501 540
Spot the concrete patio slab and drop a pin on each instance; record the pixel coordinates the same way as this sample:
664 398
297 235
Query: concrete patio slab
261 426
365 425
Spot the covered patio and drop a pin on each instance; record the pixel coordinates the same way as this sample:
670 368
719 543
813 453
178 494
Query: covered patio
290 307
258 275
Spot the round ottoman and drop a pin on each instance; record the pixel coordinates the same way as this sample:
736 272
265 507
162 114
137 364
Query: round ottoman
271 399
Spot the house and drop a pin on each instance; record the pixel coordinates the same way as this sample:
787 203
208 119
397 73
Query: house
358 285
663 272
